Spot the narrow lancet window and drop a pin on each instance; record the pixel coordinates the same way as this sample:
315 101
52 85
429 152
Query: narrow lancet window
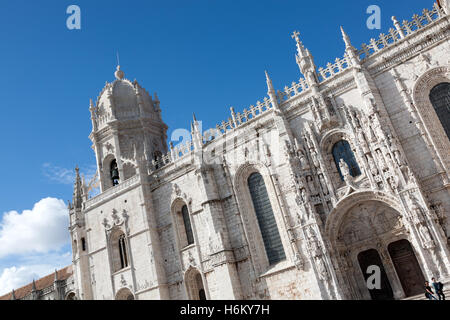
187 225
114 171
123 252
266 219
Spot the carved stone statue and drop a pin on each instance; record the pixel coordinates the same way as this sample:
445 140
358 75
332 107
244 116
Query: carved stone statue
344 170
323 184
426 236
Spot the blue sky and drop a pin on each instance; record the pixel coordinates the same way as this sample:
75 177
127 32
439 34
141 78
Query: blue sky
199 56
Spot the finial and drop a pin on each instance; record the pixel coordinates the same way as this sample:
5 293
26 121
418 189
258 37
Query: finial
295 35
13 295
346 38
193 115
33 286
77 170
398 27
300 48
119 73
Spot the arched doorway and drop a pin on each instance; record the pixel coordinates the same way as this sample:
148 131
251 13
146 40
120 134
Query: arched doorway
124 294
371 258
360 229
194 285
407 267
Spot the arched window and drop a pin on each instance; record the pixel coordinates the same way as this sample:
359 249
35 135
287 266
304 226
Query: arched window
342 150
123 252
187 225
114 172
119 250
440 99
266 219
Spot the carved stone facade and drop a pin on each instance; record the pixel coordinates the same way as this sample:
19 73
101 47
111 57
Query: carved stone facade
385 189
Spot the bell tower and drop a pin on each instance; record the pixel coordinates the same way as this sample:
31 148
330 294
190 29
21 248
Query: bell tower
126 126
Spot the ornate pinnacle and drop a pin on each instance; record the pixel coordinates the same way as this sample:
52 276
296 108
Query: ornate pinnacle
346 38
295 35
300 48
77 189
269 83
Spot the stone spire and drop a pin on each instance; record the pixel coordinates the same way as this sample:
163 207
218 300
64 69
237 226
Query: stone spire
270 88
305 61
34 291
271 91
77 190
350 50
346 38
56 276
196 134
13 295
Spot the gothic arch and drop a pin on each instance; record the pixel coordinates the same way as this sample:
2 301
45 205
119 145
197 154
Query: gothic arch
250 222
124 294
194 282
366 221
179 223
326 145
337 215
428 116
119 249
105 171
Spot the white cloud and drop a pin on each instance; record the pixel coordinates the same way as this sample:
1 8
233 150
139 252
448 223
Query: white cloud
15 277
66 176
58 174
40 230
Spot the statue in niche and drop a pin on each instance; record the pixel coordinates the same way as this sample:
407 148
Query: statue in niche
416 209
314 158
393 183
303 160
323 184
344 170
322 268
373 167
426 236
313 242
312 188
362 140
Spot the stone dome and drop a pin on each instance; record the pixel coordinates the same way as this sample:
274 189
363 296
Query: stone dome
124 100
